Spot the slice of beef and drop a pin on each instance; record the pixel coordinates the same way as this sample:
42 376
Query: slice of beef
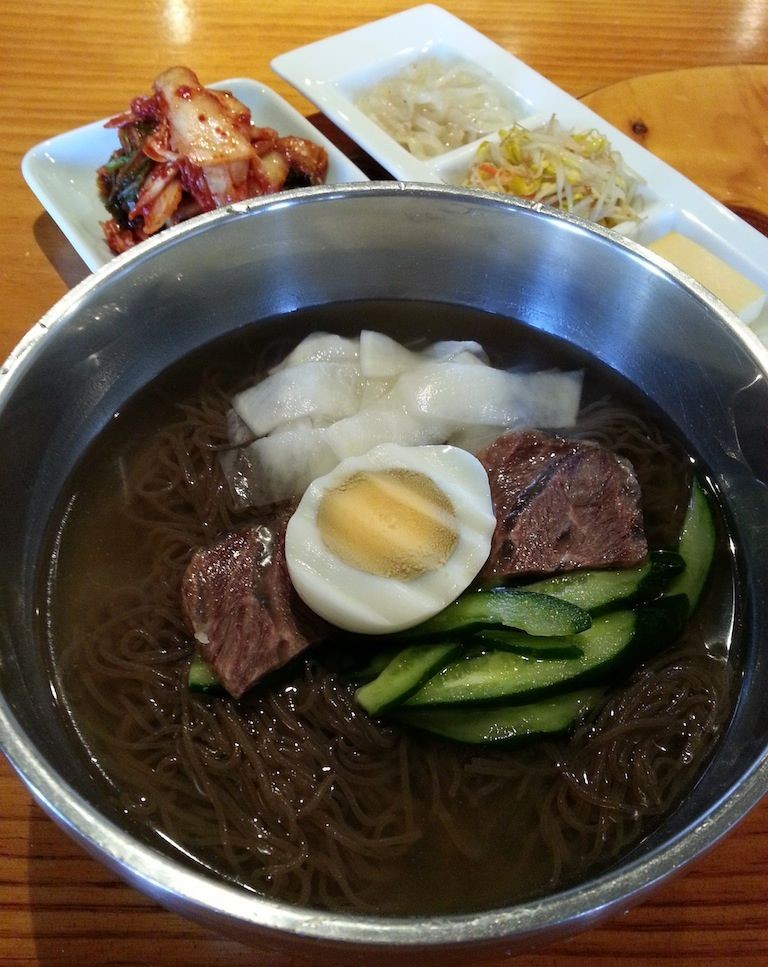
560 505
239 603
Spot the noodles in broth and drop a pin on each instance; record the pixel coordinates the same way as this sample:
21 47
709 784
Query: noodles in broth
293 791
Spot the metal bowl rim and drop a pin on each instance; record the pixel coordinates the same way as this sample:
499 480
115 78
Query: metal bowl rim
171 879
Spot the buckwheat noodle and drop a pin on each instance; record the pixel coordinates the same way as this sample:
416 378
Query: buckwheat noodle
294 793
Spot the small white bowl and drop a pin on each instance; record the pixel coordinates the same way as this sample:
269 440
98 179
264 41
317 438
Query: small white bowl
62 170
333 73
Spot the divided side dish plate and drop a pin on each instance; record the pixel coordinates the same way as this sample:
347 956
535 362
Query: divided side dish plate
335 72
62 170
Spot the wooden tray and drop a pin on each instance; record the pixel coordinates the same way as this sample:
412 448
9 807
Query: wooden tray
711 123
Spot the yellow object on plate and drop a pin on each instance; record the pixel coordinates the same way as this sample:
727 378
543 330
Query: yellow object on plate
739 293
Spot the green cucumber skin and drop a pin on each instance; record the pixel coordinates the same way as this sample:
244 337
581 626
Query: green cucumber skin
201 679
666 565
534 646
613 643
510 724
696 547
536 614
373 666
596 591
404 675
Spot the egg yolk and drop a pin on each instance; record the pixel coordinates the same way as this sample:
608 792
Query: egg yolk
392 523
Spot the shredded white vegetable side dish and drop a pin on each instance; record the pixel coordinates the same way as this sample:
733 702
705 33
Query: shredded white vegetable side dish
576 171
431 107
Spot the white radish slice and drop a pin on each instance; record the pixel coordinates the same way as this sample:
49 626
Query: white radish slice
555 398
481 395
237 431
383 422
383 357
374 389
321 347
456 350
322 391
475 438
277 467
302 423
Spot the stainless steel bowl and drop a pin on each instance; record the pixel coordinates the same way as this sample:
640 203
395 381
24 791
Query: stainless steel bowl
129 321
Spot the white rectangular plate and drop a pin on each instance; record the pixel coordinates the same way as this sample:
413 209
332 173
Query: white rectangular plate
62 170
334 72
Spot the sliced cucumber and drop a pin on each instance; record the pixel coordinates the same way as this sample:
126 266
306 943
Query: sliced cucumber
368 668
534 646
549 716
609 646
404 675
202 679
599 590
536 614
696 547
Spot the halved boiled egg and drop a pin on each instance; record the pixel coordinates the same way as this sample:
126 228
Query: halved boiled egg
389 538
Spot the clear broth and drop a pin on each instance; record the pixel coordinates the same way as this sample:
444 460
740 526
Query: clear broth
483 839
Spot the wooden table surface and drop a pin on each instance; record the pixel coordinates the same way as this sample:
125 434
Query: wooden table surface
64 63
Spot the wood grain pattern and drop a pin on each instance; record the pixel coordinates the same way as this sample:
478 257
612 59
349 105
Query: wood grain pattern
711 123
64 63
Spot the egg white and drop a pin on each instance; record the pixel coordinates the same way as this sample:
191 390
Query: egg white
357 601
